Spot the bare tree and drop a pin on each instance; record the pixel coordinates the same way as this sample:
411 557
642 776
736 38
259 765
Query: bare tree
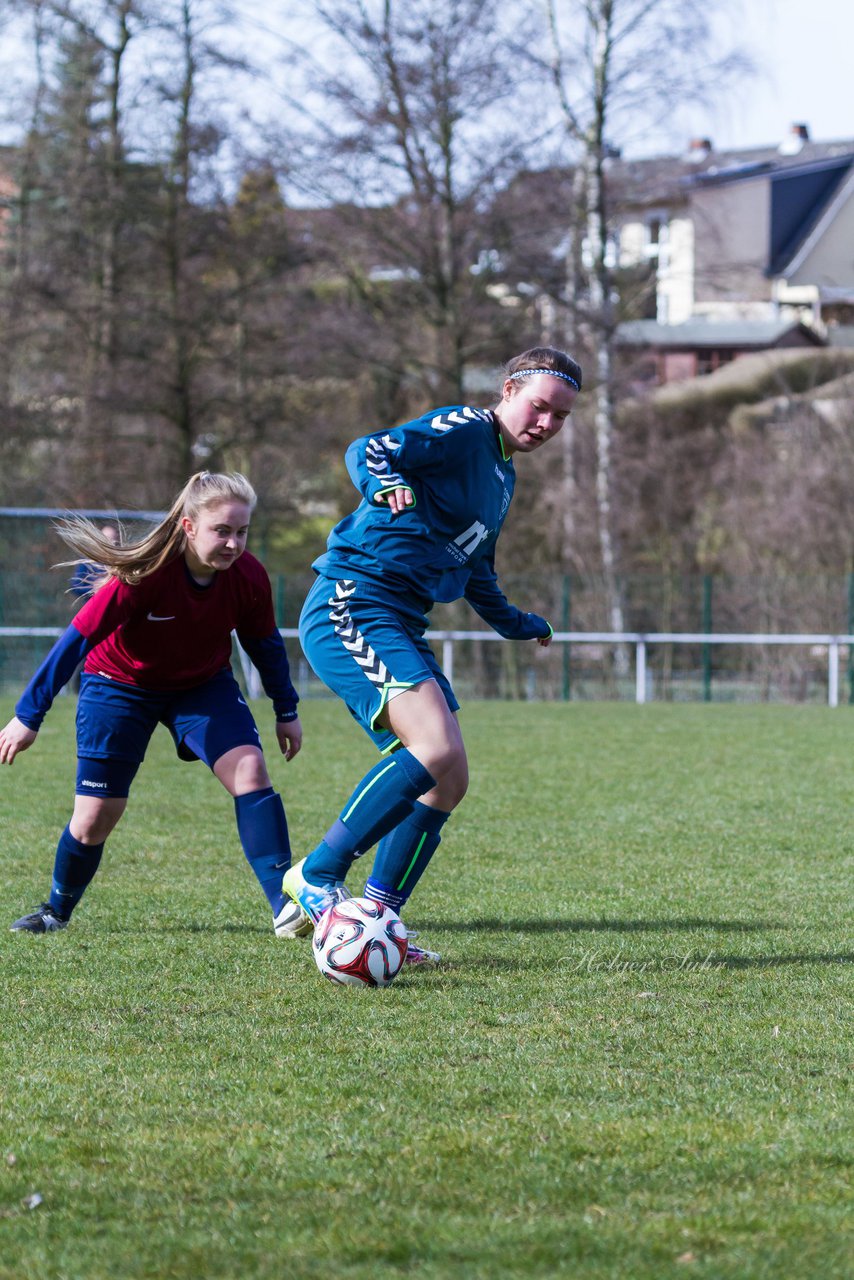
107 29
421 116
616 65
119 285
65 242
188 346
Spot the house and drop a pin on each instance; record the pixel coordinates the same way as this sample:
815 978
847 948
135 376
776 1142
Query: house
658 353
762 234
757 243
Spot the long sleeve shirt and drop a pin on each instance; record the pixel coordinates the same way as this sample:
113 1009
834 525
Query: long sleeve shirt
441 548
168 633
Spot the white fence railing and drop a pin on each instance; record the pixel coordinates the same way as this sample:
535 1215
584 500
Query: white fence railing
640 639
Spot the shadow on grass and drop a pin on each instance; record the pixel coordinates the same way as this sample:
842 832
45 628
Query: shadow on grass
563 925
624 963
205 926
771 962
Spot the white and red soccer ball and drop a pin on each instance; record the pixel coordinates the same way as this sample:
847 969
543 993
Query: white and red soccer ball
360 943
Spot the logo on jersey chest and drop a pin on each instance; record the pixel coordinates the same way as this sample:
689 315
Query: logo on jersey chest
466 543
505 492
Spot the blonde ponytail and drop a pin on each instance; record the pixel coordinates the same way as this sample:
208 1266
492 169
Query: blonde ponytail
132 561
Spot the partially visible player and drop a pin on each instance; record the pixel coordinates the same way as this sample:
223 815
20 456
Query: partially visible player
435 493
155 641
87 575
83 581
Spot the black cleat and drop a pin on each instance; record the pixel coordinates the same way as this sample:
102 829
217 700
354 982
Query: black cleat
43 920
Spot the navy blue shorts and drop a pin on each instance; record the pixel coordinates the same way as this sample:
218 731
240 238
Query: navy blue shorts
367 648
115 723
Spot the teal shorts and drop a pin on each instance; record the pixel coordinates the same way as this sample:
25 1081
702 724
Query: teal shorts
367 646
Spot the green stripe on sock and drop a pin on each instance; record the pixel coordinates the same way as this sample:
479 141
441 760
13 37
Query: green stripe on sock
412 863
391 764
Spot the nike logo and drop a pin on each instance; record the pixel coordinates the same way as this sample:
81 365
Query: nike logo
156 617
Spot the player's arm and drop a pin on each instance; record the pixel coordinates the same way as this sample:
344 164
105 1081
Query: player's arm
36 700
102 614
14 738
271 659
376 469
490 603
382 466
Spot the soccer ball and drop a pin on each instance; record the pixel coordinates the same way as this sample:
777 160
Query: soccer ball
360 943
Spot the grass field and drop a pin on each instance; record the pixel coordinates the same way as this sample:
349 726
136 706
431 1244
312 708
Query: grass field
632 1063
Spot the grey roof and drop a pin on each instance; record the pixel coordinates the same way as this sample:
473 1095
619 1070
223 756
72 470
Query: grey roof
841 335
667 179
711 333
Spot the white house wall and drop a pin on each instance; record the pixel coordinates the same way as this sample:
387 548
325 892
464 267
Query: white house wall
634 243
675 283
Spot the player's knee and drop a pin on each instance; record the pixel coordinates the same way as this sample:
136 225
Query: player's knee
93 821
452 788
446 760
242 772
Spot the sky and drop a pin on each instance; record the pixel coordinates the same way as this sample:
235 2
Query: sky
803 53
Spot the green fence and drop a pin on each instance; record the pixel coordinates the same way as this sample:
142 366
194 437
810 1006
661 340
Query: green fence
33 595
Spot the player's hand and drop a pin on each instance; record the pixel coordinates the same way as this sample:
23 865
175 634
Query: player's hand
14 738
289 734
398 499
545 641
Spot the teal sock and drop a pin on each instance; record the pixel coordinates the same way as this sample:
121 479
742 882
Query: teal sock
403 855
383 798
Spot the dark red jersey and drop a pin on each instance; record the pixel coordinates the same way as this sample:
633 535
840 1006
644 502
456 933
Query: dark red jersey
167 632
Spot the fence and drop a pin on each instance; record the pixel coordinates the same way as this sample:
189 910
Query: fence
706 638
833 645
833 649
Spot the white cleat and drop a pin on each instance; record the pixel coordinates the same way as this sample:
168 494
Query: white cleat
292 921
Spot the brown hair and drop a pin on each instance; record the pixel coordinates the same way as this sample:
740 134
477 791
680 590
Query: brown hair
132 561
547 359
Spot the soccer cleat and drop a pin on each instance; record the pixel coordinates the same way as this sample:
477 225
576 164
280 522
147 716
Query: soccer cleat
43 920
419 955
314 899
292 921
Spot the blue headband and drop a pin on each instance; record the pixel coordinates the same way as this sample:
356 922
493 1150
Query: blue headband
526 373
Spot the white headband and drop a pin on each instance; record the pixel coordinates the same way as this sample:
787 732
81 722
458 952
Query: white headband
526 373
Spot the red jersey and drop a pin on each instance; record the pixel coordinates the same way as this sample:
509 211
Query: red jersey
167 632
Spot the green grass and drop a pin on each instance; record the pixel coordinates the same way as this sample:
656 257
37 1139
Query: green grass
632 1064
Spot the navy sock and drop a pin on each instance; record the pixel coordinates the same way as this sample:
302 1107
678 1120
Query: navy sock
403 855
73 868
263 830
383 798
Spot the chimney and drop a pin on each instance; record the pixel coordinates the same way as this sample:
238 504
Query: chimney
794 140
699 149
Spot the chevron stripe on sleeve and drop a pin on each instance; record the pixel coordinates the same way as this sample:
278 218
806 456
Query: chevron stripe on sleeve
458 418
378 459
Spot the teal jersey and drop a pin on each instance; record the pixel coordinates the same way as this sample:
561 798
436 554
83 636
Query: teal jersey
442 548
